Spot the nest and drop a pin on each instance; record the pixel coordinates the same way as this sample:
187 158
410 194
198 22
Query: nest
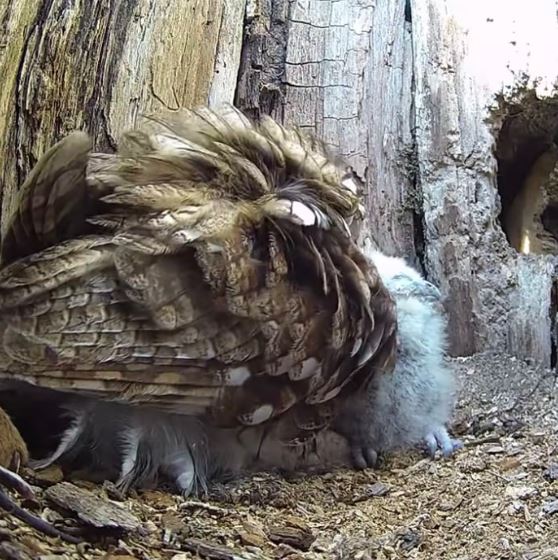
497 498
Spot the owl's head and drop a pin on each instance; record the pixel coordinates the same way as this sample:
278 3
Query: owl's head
403 280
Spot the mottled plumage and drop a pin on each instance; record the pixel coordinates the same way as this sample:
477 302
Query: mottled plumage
414 404
206 269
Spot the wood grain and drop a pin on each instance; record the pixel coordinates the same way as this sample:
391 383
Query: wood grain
98 66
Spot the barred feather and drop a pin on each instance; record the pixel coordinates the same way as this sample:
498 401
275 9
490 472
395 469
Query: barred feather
204 269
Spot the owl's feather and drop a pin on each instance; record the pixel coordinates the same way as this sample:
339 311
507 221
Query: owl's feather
415 403
52 201
204 269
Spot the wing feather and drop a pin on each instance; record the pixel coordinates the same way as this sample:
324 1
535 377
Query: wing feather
51 200
218 277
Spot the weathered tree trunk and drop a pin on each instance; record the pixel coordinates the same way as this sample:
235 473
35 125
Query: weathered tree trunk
98 65
485 76
442 107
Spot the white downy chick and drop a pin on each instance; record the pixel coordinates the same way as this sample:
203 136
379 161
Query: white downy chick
413 404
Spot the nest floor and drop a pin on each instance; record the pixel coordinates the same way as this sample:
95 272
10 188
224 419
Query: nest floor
495 499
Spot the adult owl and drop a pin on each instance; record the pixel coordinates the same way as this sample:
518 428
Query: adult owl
206 271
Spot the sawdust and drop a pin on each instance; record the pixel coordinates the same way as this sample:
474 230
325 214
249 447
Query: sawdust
497 498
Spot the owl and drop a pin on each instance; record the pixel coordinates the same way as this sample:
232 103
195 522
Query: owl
201 282
414 404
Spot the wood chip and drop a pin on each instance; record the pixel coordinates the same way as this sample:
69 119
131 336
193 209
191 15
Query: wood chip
293 536
92 509
520 492
509 463
10 551
552 472
211 551
251 539
495 449
197 504
286 552
45 477
252 534
375 490
551 507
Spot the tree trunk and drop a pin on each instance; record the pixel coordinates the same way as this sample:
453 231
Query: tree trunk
98 65
442 108
484 87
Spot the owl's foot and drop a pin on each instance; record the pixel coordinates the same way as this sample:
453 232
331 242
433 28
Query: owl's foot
440 439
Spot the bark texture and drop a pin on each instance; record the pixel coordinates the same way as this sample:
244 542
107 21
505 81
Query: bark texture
441 106
342 69
98 66
475 69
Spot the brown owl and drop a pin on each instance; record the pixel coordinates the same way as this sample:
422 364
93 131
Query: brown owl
206 274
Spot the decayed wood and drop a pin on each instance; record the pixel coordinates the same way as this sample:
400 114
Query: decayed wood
393 199
91 509
297 537
98 66
497 299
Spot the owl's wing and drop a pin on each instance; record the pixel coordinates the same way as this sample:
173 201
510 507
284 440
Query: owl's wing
52 201
220 281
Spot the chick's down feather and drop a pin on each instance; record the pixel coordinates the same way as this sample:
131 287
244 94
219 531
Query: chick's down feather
206 269
415 403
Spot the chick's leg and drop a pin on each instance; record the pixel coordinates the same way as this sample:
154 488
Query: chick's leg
439 438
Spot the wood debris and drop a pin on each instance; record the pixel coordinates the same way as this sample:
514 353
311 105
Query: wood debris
493 504
92 509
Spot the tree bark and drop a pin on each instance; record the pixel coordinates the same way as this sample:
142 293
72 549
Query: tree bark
99 65
431 101
343 70
473 68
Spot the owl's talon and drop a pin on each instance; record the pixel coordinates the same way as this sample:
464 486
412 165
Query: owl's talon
358 458
15 463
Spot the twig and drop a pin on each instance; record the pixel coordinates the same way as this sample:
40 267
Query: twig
529 394
481 441
33 521
15 482
210 551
